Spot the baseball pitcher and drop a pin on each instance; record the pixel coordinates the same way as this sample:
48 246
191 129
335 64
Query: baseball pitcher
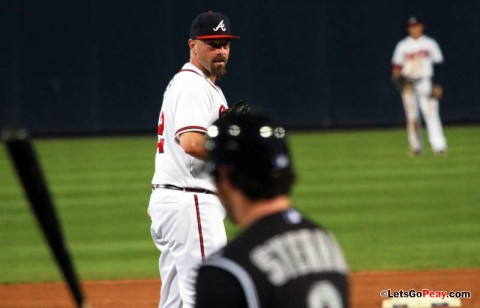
187 217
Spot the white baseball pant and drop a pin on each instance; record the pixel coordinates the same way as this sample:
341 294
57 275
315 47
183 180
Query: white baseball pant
419 97
186 227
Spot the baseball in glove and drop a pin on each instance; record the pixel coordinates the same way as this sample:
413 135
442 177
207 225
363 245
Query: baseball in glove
239 107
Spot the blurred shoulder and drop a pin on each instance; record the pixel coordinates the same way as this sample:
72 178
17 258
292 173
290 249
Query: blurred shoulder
429 39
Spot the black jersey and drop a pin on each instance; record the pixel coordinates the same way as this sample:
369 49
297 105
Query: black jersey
282 260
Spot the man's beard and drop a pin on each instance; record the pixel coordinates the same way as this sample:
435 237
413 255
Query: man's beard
219 70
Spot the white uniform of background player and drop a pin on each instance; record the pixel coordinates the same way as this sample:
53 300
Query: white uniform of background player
187 217
415 58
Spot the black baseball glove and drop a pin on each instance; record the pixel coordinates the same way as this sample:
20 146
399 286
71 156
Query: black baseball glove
239 107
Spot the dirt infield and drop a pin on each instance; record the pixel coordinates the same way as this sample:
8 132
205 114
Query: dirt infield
365 290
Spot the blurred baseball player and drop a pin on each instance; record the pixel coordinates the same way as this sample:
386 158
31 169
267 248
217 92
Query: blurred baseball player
416 60
187 217
281 259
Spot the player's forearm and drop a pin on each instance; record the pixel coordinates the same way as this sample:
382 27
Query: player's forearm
193 144
396 70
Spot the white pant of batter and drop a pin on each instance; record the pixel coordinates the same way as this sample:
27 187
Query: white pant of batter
186 227
418 97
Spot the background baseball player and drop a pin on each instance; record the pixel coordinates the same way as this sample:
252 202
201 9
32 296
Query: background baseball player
187 217
281 259
416 60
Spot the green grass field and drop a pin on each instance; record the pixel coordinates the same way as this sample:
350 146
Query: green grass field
388 211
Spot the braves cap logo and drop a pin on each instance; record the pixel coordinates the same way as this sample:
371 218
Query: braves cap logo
221 25
211 25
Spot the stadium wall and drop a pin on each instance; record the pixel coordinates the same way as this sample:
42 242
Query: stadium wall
93 67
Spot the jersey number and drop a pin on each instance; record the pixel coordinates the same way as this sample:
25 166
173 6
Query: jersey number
323 294
161 139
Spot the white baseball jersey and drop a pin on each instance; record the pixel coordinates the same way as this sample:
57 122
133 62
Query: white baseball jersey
191 103
417 56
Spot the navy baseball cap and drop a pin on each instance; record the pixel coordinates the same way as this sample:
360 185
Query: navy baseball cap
413 20
211 25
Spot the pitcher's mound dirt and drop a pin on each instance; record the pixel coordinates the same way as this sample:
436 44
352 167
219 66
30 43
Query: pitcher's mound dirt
365 290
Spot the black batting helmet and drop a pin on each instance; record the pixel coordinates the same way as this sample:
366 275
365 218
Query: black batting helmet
253 147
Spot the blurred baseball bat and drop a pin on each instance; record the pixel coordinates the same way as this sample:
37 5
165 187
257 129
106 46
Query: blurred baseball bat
28 170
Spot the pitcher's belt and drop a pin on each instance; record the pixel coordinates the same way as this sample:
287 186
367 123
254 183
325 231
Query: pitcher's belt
188 189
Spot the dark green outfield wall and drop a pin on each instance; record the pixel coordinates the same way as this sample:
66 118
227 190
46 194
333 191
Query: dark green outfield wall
101 66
